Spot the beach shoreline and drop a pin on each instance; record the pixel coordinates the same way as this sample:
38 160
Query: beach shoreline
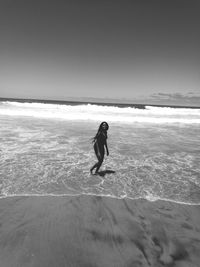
84 230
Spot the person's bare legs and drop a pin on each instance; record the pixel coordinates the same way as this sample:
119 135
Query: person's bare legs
98 164
94 166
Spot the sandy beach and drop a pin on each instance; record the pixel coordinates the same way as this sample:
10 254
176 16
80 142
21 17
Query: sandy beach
91 231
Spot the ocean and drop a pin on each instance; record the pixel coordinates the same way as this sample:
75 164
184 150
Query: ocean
46 149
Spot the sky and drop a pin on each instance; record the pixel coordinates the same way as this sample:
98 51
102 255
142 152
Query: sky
135 51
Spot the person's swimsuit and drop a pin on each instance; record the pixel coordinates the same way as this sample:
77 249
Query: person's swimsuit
99 144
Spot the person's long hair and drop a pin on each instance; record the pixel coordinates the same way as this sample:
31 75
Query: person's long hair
100 130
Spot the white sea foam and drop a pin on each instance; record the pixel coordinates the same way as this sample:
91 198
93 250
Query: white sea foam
98 113
99 195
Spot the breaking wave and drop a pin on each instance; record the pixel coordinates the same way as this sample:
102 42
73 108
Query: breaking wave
94 112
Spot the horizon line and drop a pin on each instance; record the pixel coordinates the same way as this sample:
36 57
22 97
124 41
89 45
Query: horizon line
93 100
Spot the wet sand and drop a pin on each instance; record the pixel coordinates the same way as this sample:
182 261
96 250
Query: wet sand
91 231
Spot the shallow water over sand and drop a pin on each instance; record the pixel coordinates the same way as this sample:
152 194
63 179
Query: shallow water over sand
52 156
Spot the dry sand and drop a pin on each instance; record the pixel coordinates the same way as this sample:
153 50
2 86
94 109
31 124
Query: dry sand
91 231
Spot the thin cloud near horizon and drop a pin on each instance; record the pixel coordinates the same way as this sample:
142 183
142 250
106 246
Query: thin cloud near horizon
174 98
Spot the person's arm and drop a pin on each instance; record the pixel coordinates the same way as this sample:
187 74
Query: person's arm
97 144
98 151
106 148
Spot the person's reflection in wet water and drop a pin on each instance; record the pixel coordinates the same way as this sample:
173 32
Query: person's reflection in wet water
100 143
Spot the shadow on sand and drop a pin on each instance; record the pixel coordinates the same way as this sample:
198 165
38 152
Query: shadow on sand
103 173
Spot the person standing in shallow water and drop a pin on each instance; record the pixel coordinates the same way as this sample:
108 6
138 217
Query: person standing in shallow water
100 143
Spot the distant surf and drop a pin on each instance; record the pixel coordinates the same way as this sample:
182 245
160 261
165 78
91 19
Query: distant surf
94 112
